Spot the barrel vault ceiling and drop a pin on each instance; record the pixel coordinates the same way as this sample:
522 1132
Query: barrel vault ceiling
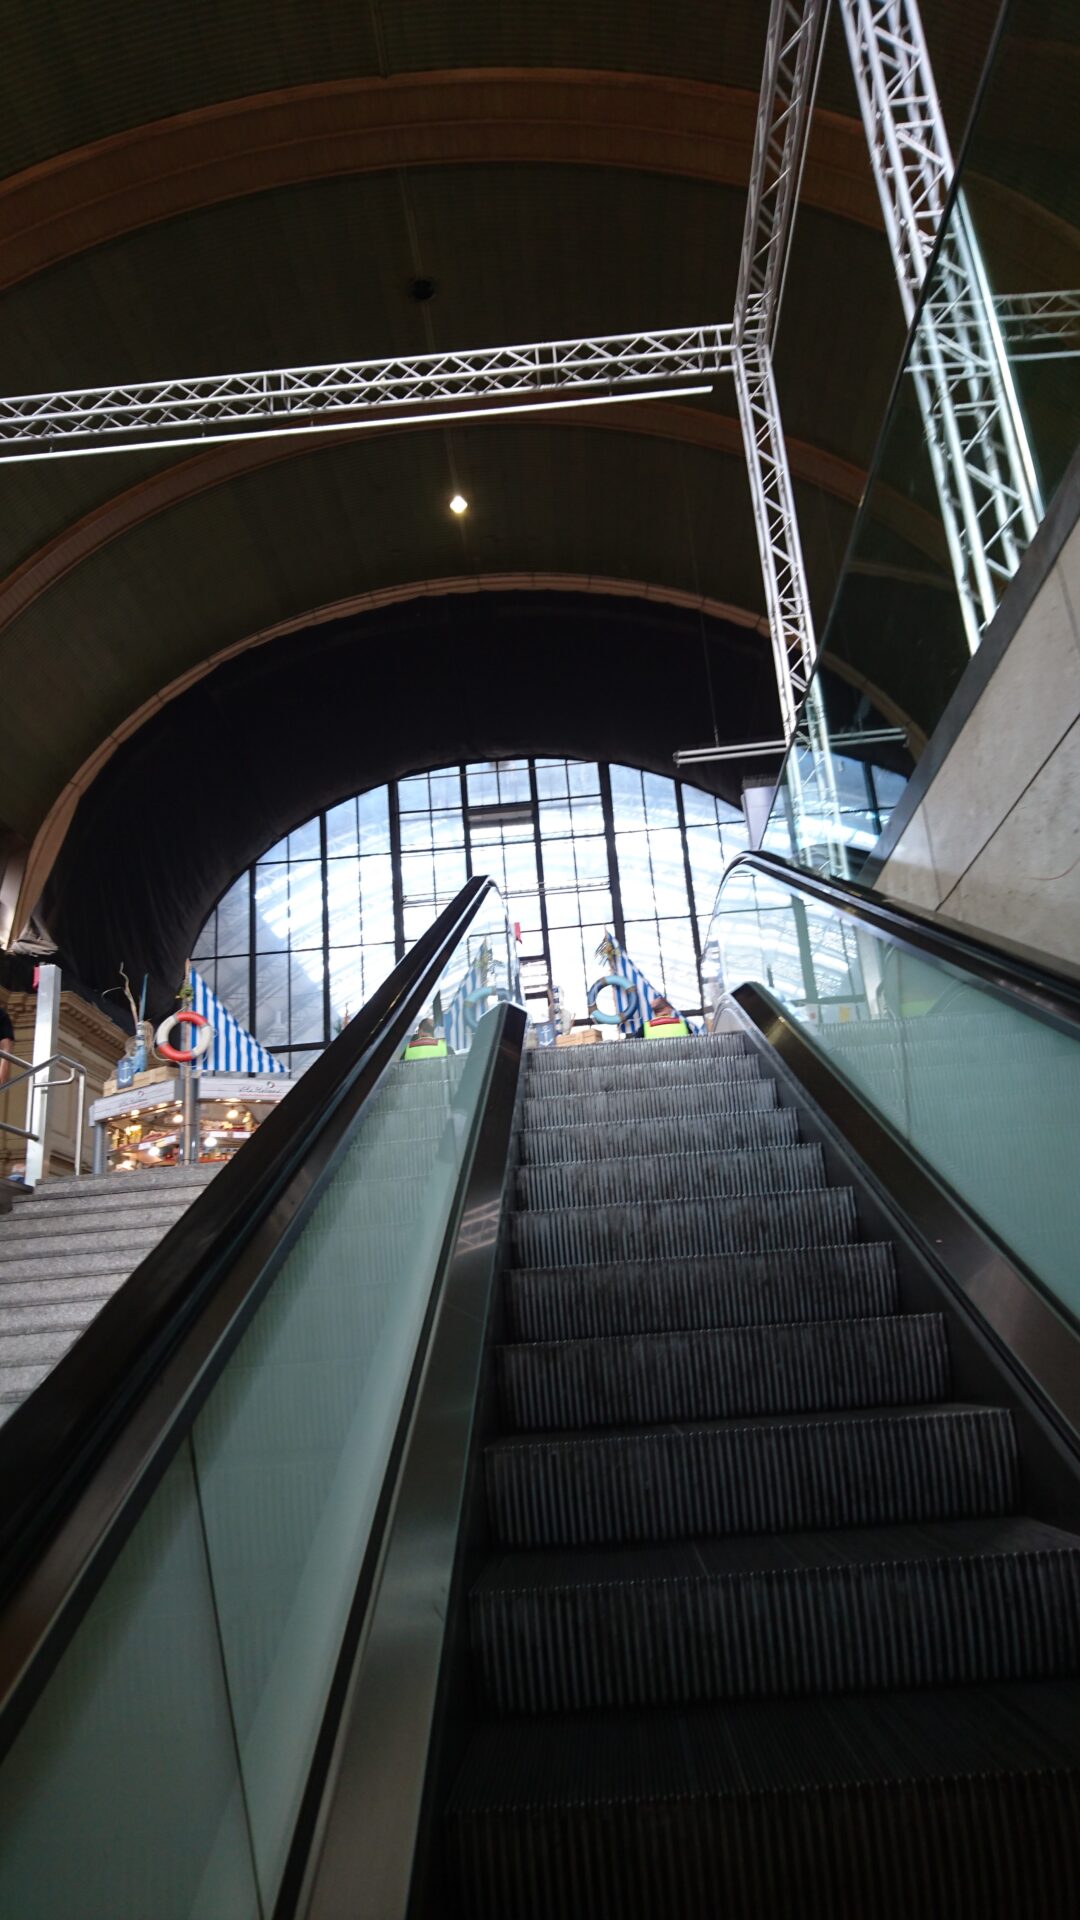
212 189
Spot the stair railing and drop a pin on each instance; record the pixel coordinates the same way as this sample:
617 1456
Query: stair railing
37 1095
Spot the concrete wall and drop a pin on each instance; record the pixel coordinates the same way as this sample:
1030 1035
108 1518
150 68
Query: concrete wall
994 839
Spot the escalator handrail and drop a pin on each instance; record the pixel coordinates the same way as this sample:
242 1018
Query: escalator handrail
1051 993
54 1443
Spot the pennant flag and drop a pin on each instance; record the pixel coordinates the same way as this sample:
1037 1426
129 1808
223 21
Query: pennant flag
235 1050
636 1004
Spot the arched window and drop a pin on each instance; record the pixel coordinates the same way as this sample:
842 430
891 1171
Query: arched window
300 940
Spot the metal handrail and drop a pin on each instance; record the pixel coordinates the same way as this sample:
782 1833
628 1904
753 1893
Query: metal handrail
77 1075
1052 993
81 1456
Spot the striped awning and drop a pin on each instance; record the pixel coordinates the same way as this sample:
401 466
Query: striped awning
235 1050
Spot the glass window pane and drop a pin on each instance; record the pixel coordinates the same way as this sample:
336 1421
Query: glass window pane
415 831
343 901
417 919
304 841
446 788
483 784
627 803
669 873
588 816
233 925
233 988
447 830
563 908
525 908
521 867
271 909
680 963
635 874
279 851
414 795
341 828
583 776
373 809
554 817
306 987
377 899
551 779
417 877
206 945
450 873
559 869
514 780
592 862
660 802
272 999
699 808
305 904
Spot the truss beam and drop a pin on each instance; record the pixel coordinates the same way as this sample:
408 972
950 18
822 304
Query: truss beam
793 46
983 468
293 399
787 599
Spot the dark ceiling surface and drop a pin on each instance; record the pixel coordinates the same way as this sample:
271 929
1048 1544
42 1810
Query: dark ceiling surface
185 190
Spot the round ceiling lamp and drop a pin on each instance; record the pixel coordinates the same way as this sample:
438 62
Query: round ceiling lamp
459 504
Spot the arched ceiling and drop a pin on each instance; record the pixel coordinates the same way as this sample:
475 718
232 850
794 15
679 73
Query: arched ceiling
186 191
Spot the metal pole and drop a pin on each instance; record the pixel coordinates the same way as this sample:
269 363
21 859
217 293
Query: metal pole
100 1153
46 1037
80 1120
191 1117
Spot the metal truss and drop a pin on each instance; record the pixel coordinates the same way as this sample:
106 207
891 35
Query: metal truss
787 600
983 468
792 60
298 399
901 114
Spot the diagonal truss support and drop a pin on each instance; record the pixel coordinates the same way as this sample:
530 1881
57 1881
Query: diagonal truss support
793 44
983 468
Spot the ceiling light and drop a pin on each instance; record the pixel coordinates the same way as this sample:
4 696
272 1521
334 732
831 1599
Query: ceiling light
459 504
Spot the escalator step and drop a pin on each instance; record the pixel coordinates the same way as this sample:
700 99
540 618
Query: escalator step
960 1803
813 1367
671 1176
736 1289
946 1605
695 1046
866 1469
678 1133
598 1073
732 1223
653 1102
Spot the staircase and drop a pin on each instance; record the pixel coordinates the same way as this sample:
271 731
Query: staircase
64 1250
763 1632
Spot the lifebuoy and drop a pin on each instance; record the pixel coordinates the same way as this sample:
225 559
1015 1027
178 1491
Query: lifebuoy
185 1018
612 980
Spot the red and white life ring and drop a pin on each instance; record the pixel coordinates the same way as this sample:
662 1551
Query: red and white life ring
204 1038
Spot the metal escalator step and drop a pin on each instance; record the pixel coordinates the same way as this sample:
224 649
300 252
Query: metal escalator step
601 1074
695 1046
737 1289
653 1102
671 1176
675 1229
816 1366
677 1133
950 1604
962 1803
876 1468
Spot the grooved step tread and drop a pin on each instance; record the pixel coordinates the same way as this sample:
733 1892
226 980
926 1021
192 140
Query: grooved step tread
671 1176
606 1076
856 1279
570 1060
703 1098
673 1229
712 1374
873 1466
844 1611
678 1133
22 1230
958 1802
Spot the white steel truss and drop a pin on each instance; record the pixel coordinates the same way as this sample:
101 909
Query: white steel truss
298 399
983 468
793 44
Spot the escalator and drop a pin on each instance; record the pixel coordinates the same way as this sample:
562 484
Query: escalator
639 1480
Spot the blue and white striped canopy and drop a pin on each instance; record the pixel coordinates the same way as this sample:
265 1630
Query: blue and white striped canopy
235 1050
638 1005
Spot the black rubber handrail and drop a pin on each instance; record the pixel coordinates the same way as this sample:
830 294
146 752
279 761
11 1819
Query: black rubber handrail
1049 992
52 1444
